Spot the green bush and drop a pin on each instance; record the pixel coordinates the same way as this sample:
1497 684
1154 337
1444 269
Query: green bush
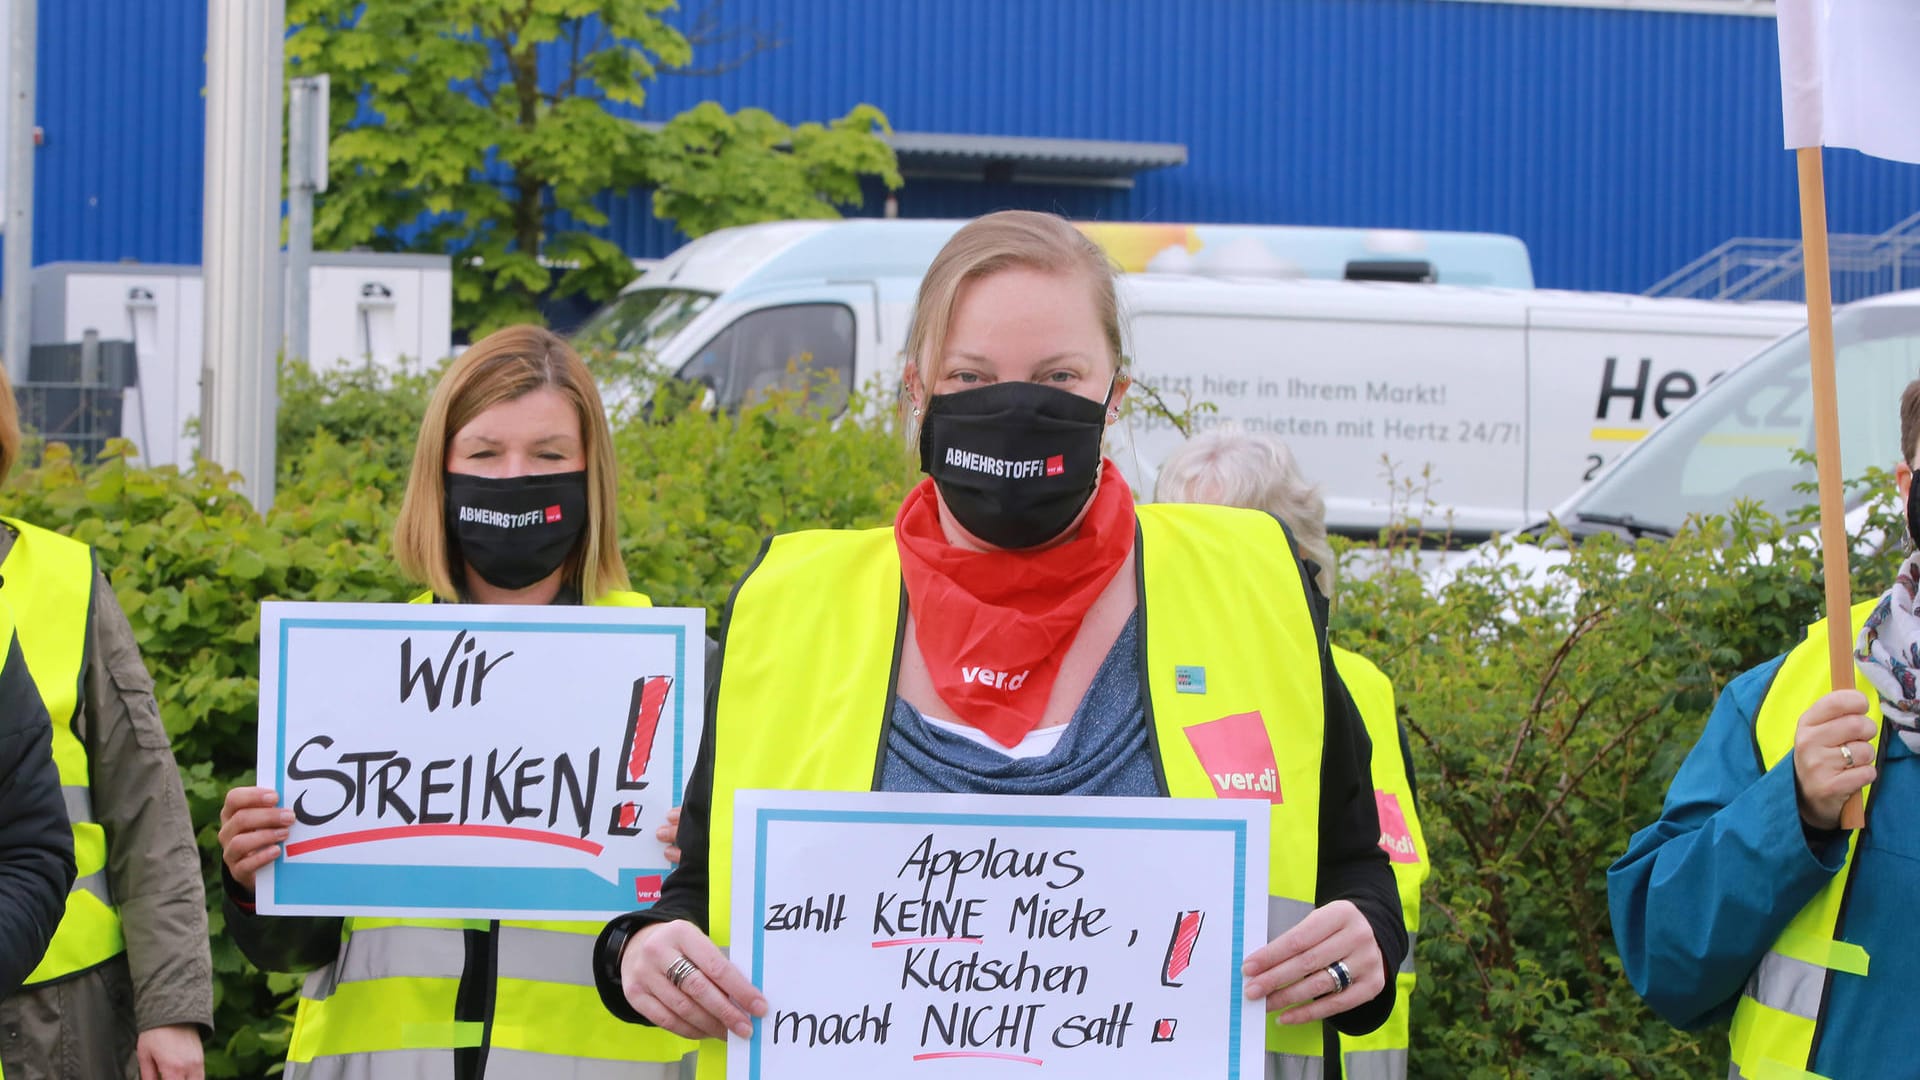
371 408
1547 713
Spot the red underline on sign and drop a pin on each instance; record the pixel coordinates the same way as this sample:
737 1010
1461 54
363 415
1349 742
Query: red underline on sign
976 1054
927 941
409 832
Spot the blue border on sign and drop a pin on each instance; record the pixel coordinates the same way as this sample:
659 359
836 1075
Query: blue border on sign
528 888
765 815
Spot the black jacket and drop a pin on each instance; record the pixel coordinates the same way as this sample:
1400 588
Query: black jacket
36 841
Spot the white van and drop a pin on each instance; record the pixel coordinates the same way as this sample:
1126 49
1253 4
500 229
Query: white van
1738 441
1503 397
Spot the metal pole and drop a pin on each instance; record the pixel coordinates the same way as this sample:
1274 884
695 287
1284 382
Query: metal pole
241 239
22 35
306 175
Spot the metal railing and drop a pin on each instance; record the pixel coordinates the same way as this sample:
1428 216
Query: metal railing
1750 268
82 415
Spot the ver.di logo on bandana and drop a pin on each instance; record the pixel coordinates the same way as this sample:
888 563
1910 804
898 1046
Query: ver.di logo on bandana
553 514
1056 465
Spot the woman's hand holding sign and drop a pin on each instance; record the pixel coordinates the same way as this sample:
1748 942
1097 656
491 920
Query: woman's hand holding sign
669 834
677 978
1300 971
251 830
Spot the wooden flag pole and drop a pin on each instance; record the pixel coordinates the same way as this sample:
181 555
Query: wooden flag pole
1826 438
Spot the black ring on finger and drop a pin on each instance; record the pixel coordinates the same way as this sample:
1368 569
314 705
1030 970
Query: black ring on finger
1342 978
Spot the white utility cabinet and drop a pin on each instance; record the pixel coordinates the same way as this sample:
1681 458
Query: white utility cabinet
368 309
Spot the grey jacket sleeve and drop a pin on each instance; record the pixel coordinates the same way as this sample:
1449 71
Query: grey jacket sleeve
36 842
153 865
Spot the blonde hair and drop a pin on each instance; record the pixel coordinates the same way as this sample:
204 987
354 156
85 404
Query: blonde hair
1002 241
507 365
9 428
1231 468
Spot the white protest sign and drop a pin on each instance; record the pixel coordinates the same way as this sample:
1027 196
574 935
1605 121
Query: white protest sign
475 761
906 935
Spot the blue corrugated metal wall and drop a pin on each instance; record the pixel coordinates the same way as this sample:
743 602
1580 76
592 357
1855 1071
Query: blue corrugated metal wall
119 176
1617 144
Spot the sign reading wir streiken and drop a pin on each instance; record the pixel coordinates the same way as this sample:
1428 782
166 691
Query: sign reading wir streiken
475 761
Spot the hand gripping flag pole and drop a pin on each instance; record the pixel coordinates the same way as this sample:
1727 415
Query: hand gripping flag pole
1847 78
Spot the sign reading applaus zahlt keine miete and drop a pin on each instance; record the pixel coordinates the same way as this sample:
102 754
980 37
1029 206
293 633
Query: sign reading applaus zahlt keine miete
913 935
475 761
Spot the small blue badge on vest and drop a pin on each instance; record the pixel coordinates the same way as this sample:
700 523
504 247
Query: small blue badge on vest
1189 680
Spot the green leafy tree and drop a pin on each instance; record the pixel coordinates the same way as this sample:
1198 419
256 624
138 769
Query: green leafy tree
711 167
461 126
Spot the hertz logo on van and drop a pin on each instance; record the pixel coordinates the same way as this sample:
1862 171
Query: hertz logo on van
1000 467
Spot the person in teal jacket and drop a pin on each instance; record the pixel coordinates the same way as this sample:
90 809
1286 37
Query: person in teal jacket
1746 900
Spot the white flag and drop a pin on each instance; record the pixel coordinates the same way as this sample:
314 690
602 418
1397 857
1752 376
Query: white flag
1850 75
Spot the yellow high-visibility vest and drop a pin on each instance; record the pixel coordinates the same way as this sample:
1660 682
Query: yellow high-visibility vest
1780 1009
1382 1054
47 580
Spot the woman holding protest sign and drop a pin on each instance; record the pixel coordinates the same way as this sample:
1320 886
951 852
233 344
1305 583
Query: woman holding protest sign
1023 553
515 424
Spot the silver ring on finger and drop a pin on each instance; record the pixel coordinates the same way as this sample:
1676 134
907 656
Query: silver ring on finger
1846 752
677 973
1342 978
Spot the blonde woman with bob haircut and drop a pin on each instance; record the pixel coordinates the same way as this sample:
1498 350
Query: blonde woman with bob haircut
515 427
1226 467
1023 552
534 378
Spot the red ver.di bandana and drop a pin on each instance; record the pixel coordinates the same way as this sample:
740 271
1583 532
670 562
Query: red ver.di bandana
992 626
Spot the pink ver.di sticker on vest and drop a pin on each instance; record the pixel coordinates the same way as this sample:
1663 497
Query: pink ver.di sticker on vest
1395 838
1238 757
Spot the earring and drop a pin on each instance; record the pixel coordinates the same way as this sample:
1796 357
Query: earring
916 410
1112 415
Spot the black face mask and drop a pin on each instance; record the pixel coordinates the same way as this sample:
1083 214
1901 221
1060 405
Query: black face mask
1015 461
515 531
1913 514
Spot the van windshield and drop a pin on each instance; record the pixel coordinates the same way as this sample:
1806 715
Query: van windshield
641 321
1738 440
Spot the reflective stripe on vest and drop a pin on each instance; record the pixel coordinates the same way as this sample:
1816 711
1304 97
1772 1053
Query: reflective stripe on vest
1373 1064
1778 1017
841 591
48 582
501 1065
1381 1054
384 1008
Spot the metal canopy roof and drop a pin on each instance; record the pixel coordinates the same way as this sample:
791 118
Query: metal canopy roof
1024 159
